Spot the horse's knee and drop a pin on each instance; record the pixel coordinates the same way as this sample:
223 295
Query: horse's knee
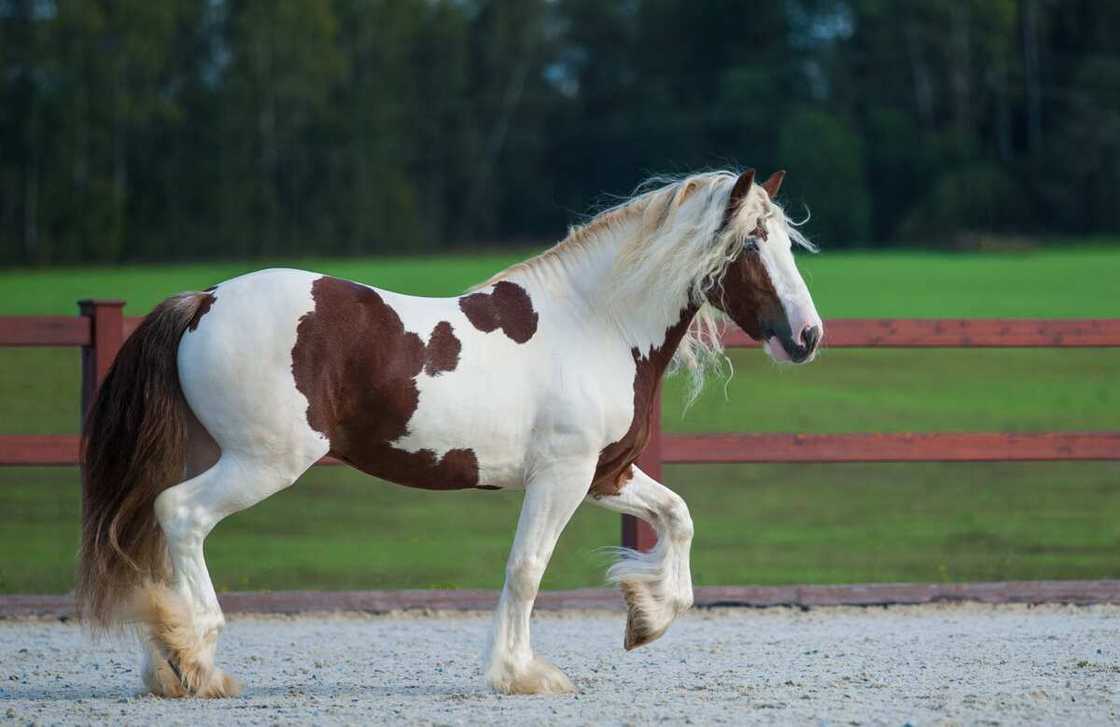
678 520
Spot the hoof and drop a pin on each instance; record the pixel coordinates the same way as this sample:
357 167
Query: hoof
647 618
180 662
163 679
639 632
539 677
218 686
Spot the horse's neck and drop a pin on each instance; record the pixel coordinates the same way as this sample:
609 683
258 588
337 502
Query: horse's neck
585 281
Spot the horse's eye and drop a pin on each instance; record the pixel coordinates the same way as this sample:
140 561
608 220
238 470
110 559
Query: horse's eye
750 244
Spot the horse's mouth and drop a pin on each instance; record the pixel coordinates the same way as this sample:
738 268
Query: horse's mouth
783 350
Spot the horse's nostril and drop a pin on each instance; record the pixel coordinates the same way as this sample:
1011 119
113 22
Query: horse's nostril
810 337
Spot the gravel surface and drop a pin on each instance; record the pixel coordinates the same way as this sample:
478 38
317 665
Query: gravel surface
918 664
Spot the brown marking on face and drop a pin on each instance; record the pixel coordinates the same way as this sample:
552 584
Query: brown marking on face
208 299
746 293
508 307
442 353
357 366
612 472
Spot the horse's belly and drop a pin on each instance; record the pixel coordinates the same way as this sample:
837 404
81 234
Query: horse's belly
445 455
484 435
454 469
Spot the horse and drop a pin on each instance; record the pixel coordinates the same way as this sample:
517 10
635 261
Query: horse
541 379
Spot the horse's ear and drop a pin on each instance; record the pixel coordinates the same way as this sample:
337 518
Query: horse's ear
774 183
738 194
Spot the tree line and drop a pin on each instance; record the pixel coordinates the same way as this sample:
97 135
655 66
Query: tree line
193 129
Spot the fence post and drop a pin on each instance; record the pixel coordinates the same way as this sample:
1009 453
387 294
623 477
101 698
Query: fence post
106 318
637 533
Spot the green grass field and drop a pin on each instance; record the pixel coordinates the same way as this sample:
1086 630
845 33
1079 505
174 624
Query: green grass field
755 524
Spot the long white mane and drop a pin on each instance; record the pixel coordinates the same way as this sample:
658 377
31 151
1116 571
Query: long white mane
667 237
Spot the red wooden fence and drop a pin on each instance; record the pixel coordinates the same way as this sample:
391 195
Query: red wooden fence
102 327
877 447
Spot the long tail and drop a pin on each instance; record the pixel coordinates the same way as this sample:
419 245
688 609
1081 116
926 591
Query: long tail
134 447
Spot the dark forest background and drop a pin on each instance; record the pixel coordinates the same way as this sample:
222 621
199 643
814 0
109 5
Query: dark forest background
176 129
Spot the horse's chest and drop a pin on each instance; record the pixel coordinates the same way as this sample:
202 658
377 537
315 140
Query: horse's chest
611 471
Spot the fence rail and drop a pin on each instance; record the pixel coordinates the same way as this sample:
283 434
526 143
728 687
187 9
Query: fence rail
102 327
962 333
45 331
930 447
909 447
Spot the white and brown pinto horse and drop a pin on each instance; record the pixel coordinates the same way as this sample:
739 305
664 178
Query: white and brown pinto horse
541 379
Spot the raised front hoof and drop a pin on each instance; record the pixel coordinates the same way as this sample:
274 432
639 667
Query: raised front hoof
164 680
648 617
539 677
640 632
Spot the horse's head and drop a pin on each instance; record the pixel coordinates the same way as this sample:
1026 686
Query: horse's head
762 290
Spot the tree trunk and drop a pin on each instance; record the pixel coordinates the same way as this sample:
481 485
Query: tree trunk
919 72
1031 80
960 71
31 183
120 161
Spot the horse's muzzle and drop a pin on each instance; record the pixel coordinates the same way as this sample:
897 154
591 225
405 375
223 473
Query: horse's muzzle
801 350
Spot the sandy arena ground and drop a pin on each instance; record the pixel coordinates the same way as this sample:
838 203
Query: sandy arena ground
919 665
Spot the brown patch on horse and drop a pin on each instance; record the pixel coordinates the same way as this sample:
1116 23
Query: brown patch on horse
605 486
357 366
508 307
746 293
443 349
207 299
612 472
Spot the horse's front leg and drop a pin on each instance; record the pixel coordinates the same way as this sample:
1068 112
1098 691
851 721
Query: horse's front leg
552 495
657 585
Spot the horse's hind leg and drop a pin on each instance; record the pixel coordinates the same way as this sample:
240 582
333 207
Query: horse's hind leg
657 585
184 620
